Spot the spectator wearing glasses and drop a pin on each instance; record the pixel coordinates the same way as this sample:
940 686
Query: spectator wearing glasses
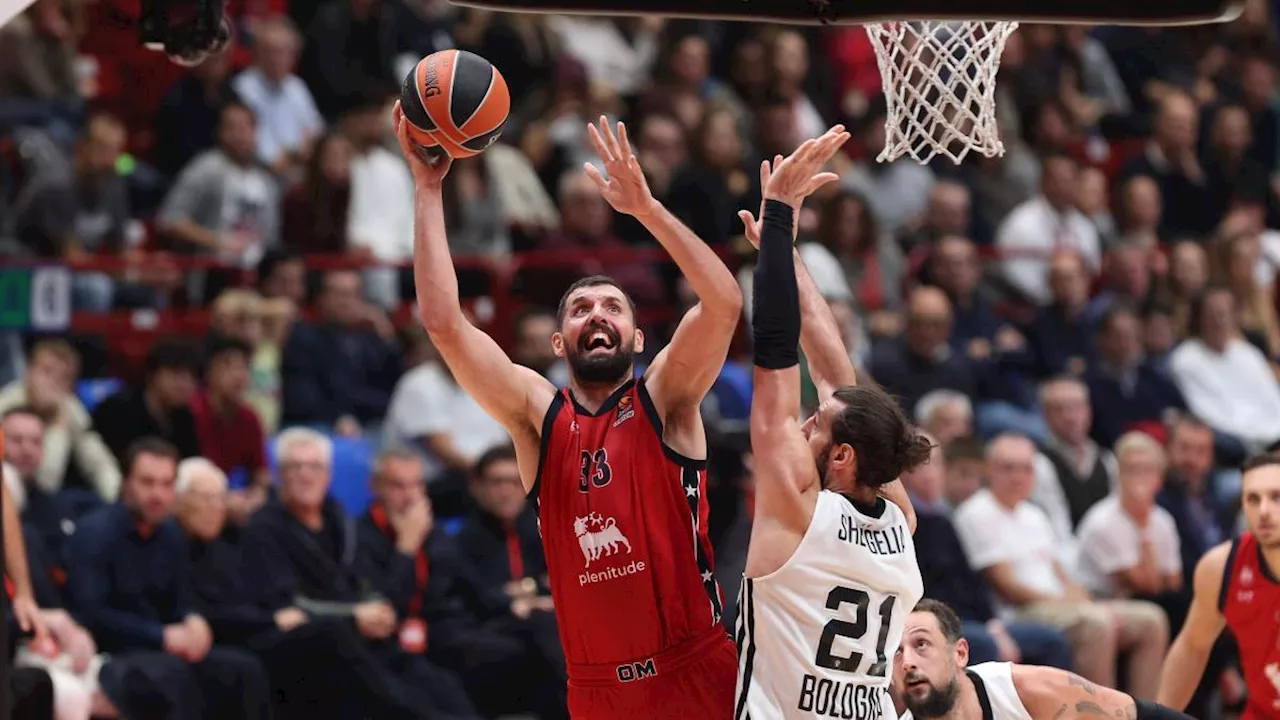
301 551
449 617
921 360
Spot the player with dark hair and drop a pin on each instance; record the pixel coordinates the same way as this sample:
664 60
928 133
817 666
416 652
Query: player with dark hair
615 464
831 570
1237 586
931 677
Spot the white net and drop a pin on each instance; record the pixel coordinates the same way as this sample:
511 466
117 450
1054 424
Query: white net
939 84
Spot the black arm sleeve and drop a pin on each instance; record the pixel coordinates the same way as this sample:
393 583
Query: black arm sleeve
1152 711
775 315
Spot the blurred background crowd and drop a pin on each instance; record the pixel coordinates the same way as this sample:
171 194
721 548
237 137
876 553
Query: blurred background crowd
237 238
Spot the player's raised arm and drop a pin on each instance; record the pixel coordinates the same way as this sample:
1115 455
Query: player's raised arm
829 364
514 395
787 471
1185 663
682 374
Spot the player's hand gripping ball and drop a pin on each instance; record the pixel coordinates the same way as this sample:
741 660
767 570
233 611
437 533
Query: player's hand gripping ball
454 103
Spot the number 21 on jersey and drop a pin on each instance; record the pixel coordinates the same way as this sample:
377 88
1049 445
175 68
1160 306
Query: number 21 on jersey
839 600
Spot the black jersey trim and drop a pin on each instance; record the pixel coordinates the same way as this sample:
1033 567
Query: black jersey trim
691 486
544 442
1227 573
874 509
983 699
651 412
1263 567
609 403
746 636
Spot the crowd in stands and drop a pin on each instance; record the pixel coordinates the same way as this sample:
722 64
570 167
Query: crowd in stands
291 509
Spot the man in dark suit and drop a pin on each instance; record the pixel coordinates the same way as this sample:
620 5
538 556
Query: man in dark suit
300 553
1124 389
320 668
128 584
336 371
1202 520
490 635
50 515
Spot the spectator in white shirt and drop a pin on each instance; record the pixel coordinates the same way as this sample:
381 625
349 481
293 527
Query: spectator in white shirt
1044 224
1010 542
380 215
288 121
1227 381
1128 544
431 415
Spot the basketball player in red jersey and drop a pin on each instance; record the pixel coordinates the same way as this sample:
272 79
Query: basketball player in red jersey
1237 585
615 464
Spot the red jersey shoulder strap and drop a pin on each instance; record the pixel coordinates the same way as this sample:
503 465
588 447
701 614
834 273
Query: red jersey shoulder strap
651 412
1239 549
544 439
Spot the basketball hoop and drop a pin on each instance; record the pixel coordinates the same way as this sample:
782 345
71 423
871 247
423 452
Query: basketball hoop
938 58
939 87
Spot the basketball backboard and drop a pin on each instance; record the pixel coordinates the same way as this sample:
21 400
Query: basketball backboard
853 12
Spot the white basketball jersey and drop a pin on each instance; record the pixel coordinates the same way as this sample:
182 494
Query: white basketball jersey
816 637
996 694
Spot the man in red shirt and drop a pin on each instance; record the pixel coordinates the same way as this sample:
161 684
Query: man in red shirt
1237 586
615 463
228 429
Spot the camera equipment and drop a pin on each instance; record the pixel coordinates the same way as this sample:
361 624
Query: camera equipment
188 31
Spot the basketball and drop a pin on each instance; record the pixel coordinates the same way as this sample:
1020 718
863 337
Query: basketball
455 102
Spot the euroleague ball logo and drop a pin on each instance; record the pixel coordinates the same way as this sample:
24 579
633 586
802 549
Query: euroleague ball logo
432 83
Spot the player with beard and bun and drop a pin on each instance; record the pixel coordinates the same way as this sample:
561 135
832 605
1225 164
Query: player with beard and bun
831 570
615 464
932 679
1237 586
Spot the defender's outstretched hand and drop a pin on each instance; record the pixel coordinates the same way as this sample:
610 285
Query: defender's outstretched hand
626 189
795 178
426 173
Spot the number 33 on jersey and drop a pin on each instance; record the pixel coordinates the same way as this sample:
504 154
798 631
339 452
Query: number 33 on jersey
817 636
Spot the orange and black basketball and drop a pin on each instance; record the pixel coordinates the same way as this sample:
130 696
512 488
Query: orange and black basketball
456 102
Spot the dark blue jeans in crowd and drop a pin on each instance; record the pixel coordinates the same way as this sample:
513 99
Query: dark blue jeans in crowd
1039 644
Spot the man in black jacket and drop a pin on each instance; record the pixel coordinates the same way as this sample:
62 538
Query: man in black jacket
128 584
501 543
319 667
495 638
300 555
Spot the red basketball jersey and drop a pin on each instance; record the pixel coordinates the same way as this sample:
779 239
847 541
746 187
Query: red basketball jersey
1250 601
624 525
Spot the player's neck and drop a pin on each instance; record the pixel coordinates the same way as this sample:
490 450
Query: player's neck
1271 558
592 395
968 706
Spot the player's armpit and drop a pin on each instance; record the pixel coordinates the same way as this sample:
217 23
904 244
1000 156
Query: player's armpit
1059 695
785 472
512 394
684 371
